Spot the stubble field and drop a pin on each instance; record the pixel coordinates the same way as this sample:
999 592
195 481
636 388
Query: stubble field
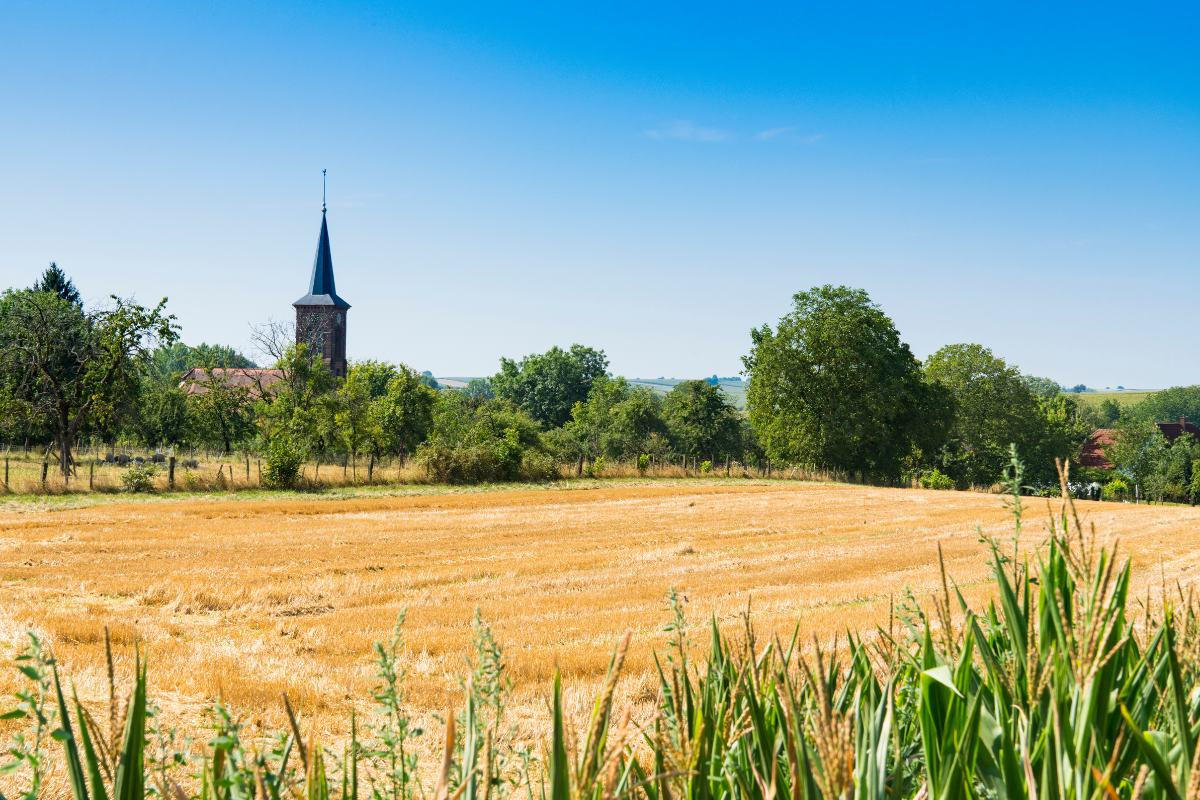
248 599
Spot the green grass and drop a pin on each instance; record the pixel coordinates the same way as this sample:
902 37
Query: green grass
1127 399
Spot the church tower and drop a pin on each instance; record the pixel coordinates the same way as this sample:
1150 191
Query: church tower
321 314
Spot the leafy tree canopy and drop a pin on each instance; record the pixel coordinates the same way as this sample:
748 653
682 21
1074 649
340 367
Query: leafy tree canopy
169 361
221 411
998 407
615 420
376 375
479 388
833 386
404 415
1136 449
1170 404
702 421
1110 411
1043 388
548 385
66 368
301 408
463 422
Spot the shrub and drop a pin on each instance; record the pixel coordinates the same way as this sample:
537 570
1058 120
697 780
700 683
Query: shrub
137 478
508 454
284 458
1116 489
643 463
706 467
936 480
1174 492
596 468
537 466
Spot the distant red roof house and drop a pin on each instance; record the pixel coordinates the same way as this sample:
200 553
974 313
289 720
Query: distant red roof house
194 379
1173 430
1092 452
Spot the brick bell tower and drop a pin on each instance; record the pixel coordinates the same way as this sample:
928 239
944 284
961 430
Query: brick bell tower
321 314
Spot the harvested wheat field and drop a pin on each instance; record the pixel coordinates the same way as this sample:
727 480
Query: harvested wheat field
249 599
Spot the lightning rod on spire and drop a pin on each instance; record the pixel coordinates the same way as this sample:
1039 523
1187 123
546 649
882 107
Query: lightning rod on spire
323 191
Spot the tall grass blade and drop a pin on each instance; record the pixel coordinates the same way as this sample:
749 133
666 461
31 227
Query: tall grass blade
74 767
128 783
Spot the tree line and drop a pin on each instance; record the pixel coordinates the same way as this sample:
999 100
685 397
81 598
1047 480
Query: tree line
831 387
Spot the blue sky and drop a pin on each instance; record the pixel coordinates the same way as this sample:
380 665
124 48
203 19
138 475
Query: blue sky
650 179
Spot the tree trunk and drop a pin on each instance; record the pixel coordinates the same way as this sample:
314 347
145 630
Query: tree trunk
64 454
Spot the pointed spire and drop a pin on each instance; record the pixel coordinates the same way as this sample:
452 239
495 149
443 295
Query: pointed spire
321 291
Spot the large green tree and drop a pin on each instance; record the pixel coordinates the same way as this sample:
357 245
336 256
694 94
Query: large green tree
404 414
1169 405
161 415
703 421
996 406
549 384
1137 450
354 417
616 420
177 358
377 375
222 409
834 387
67 368
1044 388
302 407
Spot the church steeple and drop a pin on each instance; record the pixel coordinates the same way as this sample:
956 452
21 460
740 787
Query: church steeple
321 291
321 314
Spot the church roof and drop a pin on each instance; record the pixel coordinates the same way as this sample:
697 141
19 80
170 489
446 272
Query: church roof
321 291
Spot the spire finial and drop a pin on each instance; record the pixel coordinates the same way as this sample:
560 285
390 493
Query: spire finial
323 191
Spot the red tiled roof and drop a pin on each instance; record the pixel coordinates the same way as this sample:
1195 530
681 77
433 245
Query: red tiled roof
1173 430
1092 452
251 378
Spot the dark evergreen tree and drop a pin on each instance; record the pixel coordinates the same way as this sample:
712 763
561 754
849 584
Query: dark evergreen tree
55 281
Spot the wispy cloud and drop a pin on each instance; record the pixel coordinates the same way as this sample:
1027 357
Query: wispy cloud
772 133
682 129
788 133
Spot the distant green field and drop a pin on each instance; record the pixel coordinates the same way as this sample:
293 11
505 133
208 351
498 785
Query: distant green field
1094 399
735 389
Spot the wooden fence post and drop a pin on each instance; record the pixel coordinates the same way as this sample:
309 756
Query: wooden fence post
91 474
171 471
247 454
45 469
